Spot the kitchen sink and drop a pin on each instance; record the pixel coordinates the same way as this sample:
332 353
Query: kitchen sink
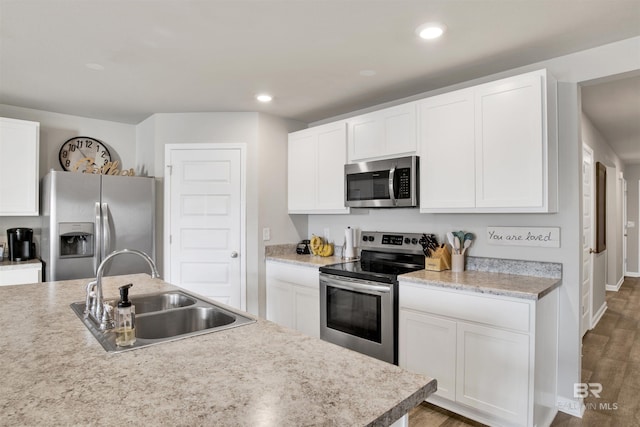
167 316
179 322
160 302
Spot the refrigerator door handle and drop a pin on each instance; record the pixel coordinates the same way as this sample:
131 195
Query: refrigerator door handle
106 231
97 254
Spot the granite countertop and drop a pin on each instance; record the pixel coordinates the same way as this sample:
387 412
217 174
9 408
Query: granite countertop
56 373
19 265
287 253
510 285
511 278
305 260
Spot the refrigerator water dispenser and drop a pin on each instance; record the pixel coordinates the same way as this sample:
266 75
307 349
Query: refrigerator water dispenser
76 239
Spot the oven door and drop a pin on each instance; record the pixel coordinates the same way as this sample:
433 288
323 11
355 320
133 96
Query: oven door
359 315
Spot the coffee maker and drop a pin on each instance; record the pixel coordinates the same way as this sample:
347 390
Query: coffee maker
21 247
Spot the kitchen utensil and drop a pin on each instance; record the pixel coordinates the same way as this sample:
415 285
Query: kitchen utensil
468 236
456 241
466 244
450 238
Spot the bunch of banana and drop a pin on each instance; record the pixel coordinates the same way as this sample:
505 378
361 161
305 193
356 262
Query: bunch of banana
320 247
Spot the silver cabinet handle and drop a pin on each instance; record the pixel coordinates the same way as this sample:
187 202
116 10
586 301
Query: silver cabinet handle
234 254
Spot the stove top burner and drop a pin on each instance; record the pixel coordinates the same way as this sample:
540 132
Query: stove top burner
377 266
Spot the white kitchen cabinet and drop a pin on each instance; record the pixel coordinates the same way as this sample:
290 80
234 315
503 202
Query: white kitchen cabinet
500 147
447 150
494 357
293 296
316 169
21 274
19 170
419 335
492 369
383 133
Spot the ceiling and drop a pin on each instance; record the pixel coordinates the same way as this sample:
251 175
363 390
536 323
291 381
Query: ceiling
123 60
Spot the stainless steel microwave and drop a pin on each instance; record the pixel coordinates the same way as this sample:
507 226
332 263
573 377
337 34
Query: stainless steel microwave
388 183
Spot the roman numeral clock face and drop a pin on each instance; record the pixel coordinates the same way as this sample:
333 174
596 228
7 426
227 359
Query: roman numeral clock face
83 153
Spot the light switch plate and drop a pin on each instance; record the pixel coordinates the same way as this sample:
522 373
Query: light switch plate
266 233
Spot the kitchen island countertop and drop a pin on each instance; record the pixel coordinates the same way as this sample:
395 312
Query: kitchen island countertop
56 373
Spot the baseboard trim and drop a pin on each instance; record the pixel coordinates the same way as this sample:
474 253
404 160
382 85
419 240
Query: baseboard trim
615 288
598 315
573 407
632 274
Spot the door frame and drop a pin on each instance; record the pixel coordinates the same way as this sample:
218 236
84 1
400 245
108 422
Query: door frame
584 328
168 148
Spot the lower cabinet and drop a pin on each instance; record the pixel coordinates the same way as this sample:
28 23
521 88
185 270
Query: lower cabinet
21 276
293 296
494 357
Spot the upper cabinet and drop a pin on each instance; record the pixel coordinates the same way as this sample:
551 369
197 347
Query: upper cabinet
19 170
383 133
490 148
316 169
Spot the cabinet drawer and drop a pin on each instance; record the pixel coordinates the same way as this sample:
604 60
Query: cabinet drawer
291 273
20 277
489 310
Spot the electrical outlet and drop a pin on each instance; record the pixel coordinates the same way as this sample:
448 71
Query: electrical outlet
266 233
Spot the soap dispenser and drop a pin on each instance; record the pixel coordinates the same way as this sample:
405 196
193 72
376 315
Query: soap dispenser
125 319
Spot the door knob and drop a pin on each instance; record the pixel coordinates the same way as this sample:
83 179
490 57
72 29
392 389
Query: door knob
591 251
234 254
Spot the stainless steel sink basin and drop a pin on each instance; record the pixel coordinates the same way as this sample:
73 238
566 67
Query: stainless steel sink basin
160 302
167 316
179 322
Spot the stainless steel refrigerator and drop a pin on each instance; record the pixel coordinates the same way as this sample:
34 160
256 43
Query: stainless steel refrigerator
86 217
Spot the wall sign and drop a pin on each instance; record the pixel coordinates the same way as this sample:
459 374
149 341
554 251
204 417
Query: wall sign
547 237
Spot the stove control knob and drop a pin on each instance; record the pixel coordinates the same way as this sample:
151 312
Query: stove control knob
407 240
364 238
371 238
414 241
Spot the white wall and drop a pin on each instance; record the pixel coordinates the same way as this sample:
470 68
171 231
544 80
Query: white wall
266 140
55 129
569 70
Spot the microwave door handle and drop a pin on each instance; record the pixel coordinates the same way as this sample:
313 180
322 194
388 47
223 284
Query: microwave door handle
392 192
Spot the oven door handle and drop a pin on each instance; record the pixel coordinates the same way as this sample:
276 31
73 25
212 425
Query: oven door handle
355 285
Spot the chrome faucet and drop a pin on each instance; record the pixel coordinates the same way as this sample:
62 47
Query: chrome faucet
95 305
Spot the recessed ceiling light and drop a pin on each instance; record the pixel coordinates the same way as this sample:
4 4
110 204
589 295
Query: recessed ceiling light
263 97
94 66
431 30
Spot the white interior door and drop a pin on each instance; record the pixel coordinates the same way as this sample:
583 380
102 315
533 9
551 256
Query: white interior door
624 227
205 221
587 237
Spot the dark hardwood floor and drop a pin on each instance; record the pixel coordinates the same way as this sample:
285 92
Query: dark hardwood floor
610 356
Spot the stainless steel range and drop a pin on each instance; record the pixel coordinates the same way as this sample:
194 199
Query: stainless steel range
359 299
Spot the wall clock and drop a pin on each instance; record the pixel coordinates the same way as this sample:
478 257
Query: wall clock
81 153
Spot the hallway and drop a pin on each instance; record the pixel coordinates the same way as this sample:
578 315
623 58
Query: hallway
611 357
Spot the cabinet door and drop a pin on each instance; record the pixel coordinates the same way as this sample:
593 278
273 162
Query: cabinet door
493 371
19 171
307 310
383 133
447 151
280 303
511 156
331 157
301 171
427 345
20 277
